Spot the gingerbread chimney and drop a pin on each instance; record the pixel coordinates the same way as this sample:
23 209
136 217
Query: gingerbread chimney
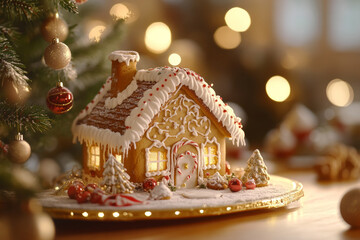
123 69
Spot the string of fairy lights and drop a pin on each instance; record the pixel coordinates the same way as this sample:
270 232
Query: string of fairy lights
158 40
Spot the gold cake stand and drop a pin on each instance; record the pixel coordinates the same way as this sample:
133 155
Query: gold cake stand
293 193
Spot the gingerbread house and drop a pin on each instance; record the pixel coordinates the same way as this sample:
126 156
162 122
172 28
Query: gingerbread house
159 122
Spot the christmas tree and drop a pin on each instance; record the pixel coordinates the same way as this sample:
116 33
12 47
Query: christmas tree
257 170
115 178
29 30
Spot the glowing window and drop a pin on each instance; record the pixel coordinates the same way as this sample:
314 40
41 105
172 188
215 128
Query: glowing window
210 155
118 158
157 161
94 157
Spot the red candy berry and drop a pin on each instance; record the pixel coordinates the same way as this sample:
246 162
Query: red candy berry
250 184
96 196
149 184
74 189
83 197
235 185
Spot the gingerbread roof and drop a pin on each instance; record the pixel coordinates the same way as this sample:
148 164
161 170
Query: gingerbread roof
119 121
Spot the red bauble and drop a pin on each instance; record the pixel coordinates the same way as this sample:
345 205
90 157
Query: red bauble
59 99
250 184
235 185
149 184
80 1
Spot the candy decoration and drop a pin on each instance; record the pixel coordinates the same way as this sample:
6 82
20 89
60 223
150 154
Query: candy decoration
121 200
250 184
59 99
149 184
57 55
54 27
19 150
350 207
235 185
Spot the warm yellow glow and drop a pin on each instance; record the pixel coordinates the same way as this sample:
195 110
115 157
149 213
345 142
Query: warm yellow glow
228 208
201 211
210 155
116 214
340 93
57 188
94 157
85 214
71 213
119 11
96 32
148 213
101 214
118 158
158 37
174 59
238 19
278 88
177 213
226 38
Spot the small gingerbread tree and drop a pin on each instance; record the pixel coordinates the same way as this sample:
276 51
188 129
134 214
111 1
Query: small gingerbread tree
115 178
257 170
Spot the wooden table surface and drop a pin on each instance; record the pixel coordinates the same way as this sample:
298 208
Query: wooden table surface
315 216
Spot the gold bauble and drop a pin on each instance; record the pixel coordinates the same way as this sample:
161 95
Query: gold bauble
350 207
13 93
54 27
19 150
19 224
57 55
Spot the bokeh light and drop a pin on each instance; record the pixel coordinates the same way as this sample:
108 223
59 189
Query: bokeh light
226 38
278 88
158 37
119 11
238 19
96 33
340 93
174 59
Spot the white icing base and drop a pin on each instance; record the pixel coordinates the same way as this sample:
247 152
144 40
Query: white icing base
277 188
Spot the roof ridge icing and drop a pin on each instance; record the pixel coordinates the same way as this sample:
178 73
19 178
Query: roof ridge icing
167 80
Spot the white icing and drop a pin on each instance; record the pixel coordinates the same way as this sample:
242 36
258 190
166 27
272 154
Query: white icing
168 79
165 172
211 166
300 118
121 96
201 194
124 56
160 192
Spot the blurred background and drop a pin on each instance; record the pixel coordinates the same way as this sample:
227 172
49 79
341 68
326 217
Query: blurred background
287 67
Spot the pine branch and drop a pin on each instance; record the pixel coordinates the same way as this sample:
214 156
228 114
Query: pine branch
68 5
20 10
11 67
32 118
